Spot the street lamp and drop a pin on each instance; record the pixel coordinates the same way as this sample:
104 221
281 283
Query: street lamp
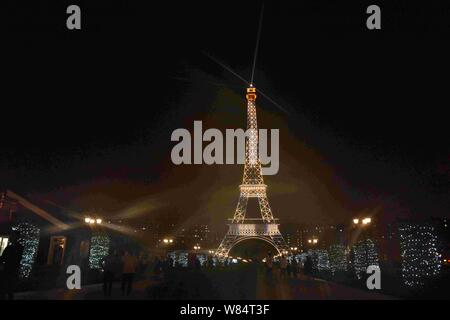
364 221
167 240
313 241
197 247
363 229
90 220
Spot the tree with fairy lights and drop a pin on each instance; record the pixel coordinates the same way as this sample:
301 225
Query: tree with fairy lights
29 239
320 259
99 249
338 258
364 254
420 256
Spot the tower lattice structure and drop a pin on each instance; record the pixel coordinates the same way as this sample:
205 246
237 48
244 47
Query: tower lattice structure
252 187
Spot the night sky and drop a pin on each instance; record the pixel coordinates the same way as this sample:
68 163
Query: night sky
87 116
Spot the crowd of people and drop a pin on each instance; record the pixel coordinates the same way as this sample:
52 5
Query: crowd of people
127 265
289 268
113 266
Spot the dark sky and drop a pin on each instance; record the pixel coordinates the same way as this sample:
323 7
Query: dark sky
87 115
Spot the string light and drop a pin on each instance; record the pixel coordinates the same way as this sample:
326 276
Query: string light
254 191
421 260
320 259
338 258
29 239
365 254
99 250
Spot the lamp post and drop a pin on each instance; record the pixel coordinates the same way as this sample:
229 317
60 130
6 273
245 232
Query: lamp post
92 221
167 241
363 223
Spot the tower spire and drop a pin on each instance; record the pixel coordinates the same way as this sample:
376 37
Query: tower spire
252 169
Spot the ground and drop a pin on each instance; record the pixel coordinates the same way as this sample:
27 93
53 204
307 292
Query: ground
238 283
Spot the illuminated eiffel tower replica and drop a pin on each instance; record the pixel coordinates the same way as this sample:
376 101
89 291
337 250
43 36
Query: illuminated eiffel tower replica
242 228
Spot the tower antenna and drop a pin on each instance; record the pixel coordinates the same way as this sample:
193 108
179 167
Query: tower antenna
257 43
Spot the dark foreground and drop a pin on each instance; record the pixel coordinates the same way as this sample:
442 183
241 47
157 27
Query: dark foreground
249 282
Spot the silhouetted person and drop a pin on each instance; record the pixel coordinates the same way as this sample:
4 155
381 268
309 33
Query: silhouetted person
294 267
143 263
289 269
198 264
192 260
10 264
157 267
58 255
128 271
170 262
209 262
167 266
283 266
111 266
308 266
269 264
